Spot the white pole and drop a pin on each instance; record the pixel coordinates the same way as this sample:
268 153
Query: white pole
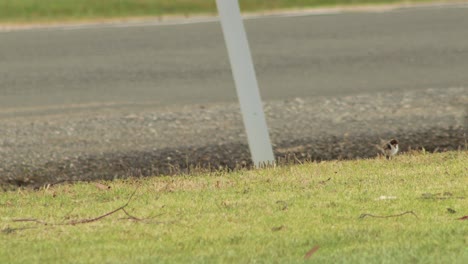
246 82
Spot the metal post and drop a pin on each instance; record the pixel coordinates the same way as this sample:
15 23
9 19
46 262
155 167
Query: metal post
246 82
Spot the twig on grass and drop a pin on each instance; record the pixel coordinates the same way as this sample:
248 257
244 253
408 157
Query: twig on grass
83 221
388 216
311 252
298 160
131 216
325 181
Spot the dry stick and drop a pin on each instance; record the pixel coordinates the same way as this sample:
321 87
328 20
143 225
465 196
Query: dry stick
325 181
297 160
311 252
83 221
388 216
131 216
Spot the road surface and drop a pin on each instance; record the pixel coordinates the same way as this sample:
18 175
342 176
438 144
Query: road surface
310 55
113 101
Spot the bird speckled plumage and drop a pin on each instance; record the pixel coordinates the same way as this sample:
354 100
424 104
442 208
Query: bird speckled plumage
390 148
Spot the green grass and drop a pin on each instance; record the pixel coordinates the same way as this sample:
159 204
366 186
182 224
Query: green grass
273 215
30 11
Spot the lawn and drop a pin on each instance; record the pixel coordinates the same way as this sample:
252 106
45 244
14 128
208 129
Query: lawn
404 210
31 11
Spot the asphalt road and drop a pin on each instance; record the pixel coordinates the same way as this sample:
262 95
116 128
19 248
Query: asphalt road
303 56
104 102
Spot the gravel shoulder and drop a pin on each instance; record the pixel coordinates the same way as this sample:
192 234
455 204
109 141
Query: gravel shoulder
46 146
